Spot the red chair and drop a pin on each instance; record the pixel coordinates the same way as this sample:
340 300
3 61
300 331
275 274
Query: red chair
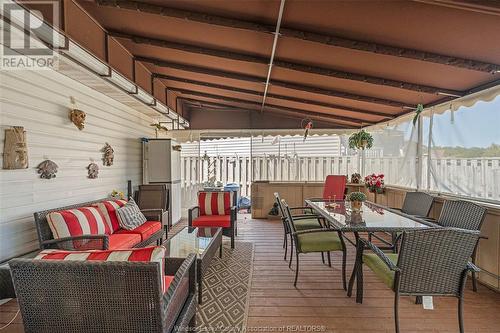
334 187
215 209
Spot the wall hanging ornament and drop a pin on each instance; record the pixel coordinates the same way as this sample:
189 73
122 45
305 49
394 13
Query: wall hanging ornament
47 169
109 155
77 117
15 149
93 170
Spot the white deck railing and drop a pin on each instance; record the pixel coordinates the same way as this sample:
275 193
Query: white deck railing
476 177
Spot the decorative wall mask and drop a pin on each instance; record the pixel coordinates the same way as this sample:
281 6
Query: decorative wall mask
47 169
15 149
77 117
109 155
93 170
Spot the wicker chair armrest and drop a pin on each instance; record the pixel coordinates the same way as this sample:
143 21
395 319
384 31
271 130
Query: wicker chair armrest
193 213
472 268
379 253
87 242
186 271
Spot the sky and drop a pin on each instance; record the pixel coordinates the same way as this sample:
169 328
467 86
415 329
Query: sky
477 126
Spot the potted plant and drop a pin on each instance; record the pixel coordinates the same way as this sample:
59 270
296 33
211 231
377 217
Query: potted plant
356 199
361 140
375 183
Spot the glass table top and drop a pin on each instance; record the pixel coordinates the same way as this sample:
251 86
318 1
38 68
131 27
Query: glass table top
372 217
190 240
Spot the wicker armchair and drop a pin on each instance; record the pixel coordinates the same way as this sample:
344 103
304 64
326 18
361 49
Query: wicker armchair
153 201
431 262
304 220
314 241
464 215
417 204
103 296
83 242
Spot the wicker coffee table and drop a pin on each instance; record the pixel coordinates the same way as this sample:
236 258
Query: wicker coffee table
203 242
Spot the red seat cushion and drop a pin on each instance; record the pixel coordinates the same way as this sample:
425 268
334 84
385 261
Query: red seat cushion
123 241
167 280
222 221
145 230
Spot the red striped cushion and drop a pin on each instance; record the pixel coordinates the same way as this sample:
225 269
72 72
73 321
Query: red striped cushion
77 222
214 203
147 254
108 209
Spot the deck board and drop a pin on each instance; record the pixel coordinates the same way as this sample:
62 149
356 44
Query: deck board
320 302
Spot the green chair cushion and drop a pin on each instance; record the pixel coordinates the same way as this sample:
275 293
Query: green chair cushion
380 268
305 224
319 242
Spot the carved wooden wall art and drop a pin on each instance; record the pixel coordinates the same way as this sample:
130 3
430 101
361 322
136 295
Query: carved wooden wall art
47 169
109 155
77 117
93 170
15 149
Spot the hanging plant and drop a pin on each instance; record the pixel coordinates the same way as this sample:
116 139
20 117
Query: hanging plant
418 111
361 140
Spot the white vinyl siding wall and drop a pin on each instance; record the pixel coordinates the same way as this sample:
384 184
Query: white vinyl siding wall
40 101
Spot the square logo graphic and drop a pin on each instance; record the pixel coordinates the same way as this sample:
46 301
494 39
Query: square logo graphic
29 35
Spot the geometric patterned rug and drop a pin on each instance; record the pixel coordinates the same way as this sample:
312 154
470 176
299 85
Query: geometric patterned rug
226 289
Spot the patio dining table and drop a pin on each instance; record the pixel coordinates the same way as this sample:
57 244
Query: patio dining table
371 218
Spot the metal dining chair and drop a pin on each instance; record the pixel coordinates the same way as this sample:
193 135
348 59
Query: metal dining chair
314 241
431 262
304 220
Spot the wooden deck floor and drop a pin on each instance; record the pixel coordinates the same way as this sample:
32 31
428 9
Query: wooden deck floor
319 304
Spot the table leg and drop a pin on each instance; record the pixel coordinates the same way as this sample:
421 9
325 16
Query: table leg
220 250
354 270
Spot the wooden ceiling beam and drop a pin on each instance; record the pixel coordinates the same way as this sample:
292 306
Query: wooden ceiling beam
200 103
309 36
298 67
277 83
284 108
275 96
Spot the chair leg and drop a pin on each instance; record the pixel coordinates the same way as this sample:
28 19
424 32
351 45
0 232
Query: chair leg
291 252
323 257
396 311
232 240
284 240
296 270
394 241
285 245
359 283
344 259
418 300
329 259
220 250
461 314
474 277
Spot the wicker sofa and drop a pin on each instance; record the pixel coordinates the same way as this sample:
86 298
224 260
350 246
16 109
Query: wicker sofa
60 296
151 233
